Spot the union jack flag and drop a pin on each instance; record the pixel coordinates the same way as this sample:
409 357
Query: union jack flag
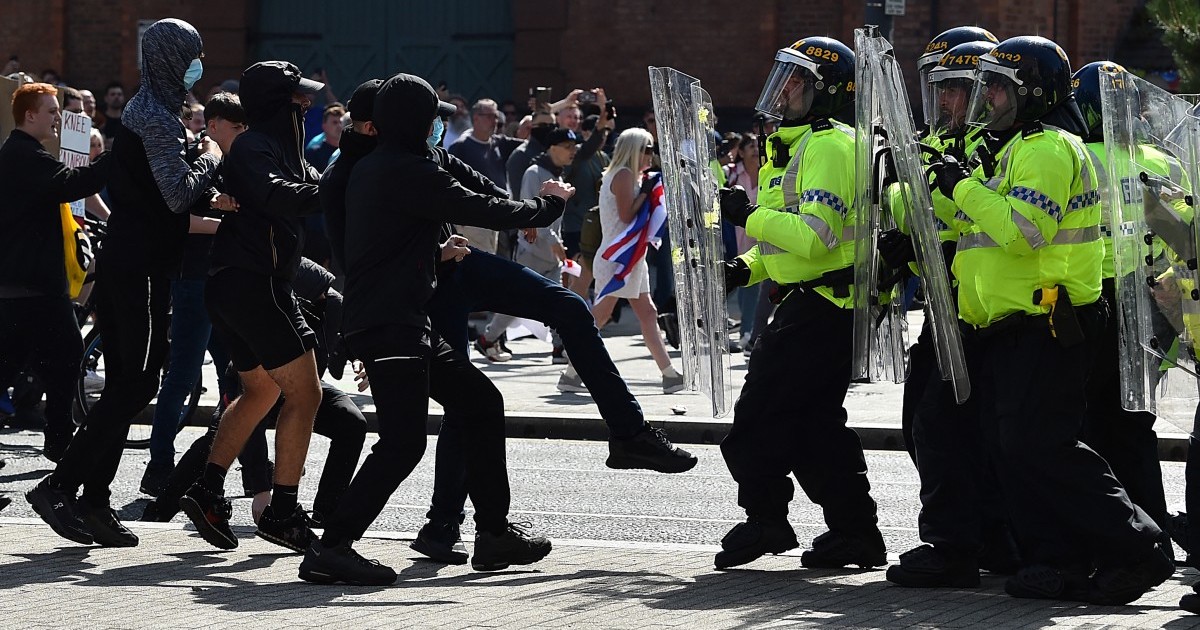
626 249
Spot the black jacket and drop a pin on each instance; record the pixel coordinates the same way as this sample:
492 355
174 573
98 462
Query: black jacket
32 258
397 202
354 147
275 188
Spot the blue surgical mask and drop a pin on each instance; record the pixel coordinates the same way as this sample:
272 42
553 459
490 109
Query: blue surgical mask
193 74
438 128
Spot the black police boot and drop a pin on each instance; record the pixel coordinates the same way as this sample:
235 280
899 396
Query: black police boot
442 542
291 530
154 480
496 552
1191 601
1041 581
106 529
751 540
1122 585
649 449
927 566
341 563
836 550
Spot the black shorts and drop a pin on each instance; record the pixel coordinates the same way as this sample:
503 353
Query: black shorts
257 318
571 243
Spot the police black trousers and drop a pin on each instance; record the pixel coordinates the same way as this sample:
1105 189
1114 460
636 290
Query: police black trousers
1066 507
41 334
132 313
1126 439
407 367
962 509
790 419
484 282
922 358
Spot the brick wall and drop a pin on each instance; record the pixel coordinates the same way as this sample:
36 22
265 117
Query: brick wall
91 42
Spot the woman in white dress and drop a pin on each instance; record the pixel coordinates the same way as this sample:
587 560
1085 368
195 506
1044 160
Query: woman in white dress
620 201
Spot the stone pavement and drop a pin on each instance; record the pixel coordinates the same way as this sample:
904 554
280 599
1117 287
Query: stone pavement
175 580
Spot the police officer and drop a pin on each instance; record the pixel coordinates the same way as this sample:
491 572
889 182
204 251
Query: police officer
790 418
1029 265
962 516
1126 439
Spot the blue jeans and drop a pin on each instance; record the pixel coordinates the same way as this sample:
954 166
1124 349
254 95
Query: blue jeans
486 282
190 336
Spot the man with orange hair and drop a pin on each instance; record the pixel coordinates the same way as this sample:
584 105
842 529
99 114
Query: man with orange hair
37 321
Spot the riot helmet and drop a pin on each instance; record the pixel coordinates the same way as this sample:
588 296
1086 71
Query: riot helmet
1085 83
939 46
1022 79
812 78
948 91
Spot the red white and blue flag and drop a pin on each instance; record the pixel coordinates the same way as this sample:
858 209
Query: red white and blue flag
628 248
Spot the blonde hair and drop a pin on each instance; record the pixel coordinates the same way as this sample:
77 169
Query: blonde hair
629 150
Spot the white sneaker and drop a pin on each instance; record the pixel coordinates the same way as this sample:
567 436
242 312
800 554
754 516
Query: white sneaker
569 385
92 382
492 351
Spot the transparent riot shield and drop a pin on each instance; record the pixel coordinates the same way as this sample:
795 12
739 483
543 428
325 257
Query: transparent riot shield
684 113
901 138
1146 197
880 322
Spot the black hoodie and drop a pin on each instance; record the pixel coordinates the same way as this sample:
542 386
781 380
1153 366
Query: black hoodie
354 146
397 201
267 174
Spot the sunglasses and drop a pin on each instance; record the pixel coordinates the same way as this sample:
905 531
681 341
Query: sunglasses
649 150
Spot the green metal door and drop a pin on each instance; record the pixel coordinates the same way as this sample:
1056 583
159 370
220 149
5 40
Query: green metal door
466 43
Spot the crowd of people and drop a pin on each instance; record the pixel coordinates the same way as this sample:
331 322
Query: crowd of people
283 232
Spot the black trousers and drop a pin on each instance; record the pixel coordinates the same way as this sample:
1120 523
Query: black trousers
41 334
338 419
1126 439
406 368
484 282
922 357
132 312
790 419
962 508
1066 507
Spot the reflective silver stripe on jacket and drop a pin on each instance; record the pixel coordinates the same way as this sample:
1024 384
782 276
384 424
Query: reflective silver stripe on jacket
1067 236
792 201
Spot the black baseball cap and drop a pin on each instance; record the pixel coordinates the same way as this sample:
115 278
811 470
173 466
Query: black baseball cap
446 109
362 102
561 135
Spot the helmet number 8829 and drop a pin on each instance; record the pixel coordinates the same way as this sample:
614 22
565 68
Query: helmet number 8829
821 53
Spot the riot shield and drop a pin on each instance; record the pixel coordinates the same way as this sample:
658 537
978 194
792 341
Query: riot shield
880 322
901 138
684 113
1145 197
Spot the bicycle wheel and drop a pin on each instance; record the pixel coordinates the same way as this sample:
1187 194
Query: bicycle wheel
90 384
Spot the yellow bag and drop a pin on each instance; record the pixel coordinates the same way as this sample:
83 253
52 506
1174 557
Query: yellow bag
77 248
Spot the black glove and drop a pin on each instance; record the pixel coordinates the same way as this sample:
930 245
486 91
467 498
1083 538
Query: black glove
737 274
888 169
649 182
948 173
896 248
736 206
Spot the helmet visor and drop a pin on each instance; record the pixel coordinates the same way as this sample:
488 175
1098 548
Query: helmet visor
993 103
788 92
948 95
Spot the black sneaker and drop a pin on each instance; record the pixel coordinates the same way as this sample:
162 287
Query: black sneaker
106 529
649 449
55 447
751 540
1122 585
1177 528
927 566
1041 581
1190 603
441 542
58 510
154 480
835 550
210 514
158 512
496 552
341 563
291 531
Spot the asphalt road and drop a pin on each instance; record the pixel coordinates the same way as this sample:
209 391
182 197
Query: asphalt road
563 488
